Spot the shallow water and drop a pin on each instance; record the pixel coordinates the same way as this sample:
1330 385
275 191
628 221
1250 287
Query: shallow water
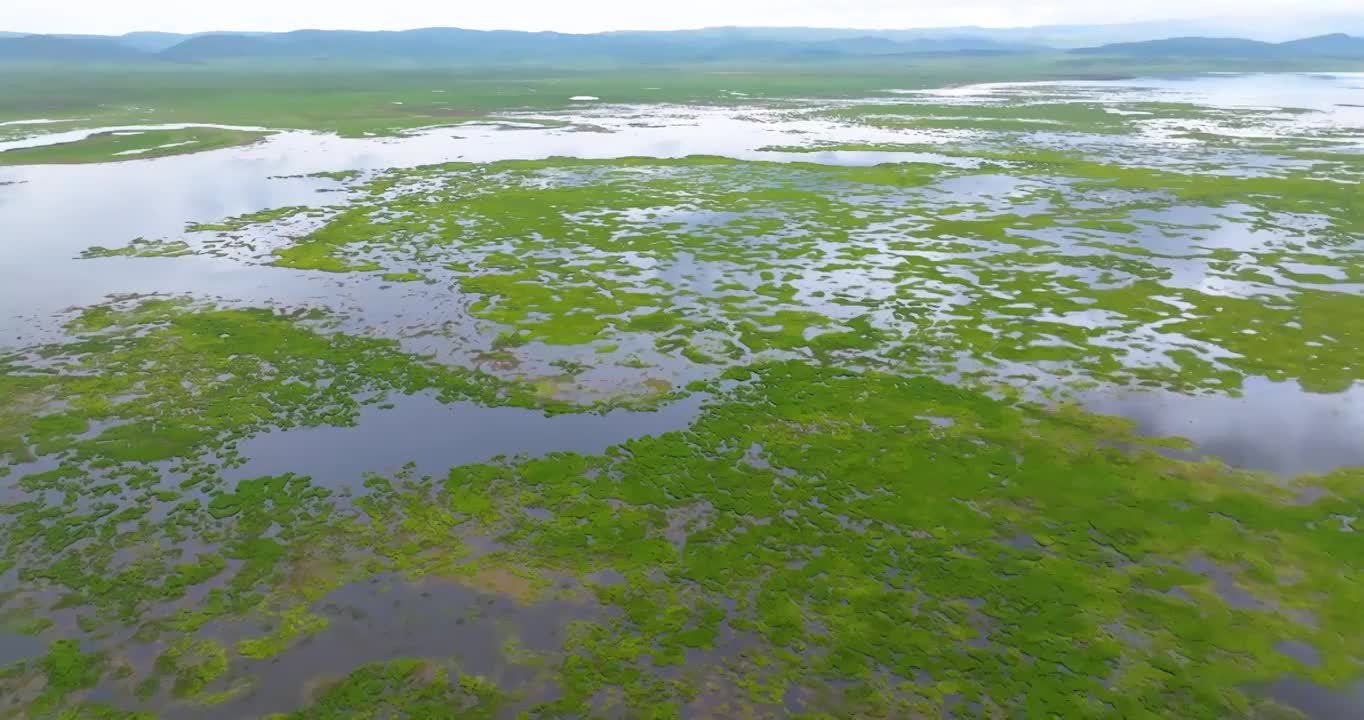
437 436
1316 702
388 618
1320 106
1274 426
1323 91
15 647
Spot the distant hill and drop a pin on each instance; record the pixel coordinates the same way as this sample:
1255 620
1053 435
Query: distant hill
917 40
1246 25
1186 47
1336 45
457 45
46 48
213 47
152 42
155 42
1333 45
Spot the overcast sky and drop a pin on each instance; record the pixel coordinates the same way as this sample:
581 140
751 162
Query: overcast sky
118 16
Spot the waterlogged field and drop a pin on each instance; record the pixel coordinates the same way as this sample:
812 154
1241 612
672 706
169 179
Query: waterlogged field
1034 400
128 144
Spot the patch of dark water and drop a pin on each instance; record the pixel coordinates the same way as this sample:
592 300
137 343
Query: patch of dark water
1224 584
16 647
1274 426
1315 701
388 618
1025 542
428 319
1300 651
436 436
50 221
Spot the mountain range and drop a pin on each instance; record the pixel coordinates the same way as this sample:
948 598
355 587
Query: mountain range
454 45
435 45
1336 45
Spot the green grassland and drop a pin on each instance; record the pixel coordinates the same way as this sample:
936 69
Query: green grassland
354 100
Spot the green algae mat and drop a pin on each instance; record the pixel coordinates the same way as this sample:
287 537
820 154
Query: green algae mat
889 497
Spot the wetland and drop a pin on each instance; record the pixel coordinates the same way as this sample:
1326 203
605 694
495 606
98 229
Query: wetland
1036 399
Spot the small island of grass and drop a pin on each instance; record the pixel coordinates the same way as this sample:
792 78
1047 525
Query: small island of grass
114 146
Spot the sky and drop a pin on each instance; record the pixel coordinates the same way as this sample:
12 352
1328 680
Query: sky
108 17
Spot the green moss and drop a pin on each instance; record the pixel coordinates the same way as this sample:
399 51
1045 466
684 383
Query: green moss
193 665
403 688
67 670
141 248
294 623
653 322
243 222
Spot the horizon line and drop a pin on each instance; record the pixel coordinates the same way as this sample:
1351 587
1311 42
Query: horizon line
629 30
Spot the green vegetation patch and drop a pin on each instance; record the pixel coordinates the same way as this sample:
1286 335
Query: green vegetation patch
404 688
1013 117
120 145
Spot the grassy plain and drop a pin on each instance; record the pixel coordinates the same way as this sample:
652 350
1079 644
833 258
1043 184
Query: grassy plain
353 101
